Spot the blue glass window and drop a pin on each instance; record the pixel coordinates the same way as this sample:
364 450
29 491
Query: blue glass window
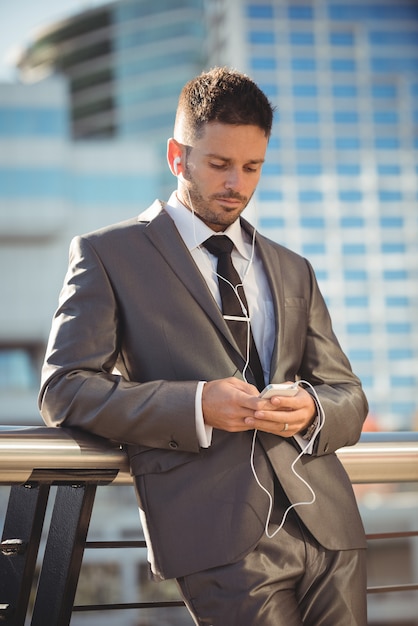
146 124
361 355
26 121
17 371
313 248
269 195
354 248
391 221
384 91
392 65
300 12
110 189
387 169
344 91
355 274
305 91
348 169
271 222
312 222
389 247
272 169
359 328
312 195
405 409
33 183
386 195
393 37
125 40
343 65
309 169
398 328
302 38
357 301
367 381
397 301
271 90
387 143
347 143
341 38
403 381
395 275
308 143
346 117
321 275
350 195
352 221
263 11
400 353
274 143
263 63
306 117
372 11
303 65
385 117
262 37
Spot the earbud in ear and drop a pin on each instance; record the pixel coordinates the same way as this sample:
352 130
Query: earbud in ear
176 163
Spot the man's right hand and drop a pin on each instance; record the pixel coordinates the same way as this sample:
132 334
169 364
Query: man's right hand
227 402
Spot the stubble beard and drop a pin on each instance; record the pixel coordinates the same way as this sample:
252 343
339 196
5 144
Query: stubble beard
201 207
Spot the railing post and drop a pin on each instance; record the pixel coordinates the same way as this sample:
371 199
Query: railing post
19 549
63 555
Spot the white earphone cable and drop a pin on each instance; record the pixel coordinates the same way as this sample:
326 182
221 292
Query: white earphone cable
247 362
292 467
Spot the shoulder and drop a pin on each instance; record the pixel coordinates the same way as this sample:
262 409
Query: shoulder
122 230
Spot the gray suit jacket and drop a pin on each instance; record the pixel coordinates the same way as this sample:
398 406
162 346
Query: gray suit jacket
135 330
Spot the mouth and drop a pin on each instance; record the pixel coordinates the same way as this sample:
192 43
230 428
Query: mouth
230 202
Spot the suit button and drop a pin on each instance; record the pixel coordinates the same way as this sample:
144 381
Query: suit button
173 445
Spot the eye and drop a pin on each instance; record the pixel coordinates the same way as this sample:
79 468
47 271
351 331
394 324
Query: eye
217 166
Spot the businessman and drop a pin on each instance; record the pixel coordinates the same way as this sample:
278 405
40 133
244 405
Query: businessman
168 327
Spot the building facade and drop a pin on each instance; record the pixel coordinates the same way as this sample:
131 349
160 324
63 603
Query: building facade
340 184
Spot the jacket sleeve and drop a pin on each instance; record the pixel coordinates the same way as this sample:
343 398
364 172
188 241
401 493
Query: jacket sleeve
81 385
327 368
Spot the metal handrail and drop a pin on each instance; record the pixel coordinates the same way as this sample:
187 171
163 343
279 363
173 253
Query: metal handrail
38 457
36 454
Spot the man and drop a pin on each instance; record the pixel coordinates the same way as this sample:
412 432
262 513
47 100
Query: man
140 352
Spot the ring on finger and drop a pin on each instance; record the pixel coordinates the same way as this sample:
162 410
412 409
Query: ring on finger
285 427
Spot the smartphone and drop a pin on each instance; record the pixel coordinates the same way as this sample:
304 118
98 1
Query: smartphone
282 389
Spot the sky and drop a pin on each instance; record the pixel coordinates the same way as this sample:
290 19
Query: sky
19 19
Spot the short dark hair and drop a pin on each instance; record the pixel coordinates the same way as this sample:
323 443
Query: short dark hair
221 95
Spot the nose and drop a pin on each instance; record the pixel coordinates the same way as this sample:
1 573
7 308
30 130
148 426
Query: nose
233 179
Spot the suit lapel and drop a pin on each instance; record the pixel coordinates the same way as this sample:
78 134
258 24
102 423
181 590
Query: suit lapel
165 237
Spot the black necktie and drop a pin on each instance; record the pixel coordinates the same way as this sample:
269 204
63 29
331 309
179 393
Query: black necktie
232 296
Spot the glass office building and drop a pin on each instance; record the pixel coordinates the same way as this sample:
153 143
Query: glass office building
340 184
126 63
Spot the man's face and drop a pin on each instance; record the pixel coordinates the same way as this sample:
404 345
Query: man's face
221 172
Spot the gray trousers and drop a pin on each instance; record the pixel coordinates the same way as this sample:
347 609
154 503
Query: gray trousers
289 580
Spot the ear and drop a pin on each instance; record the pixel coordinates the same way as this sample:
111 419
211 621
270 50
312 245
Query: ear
174 156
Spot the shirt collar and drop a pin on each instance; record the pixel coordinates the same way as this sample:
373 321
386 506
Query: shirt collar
194 232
